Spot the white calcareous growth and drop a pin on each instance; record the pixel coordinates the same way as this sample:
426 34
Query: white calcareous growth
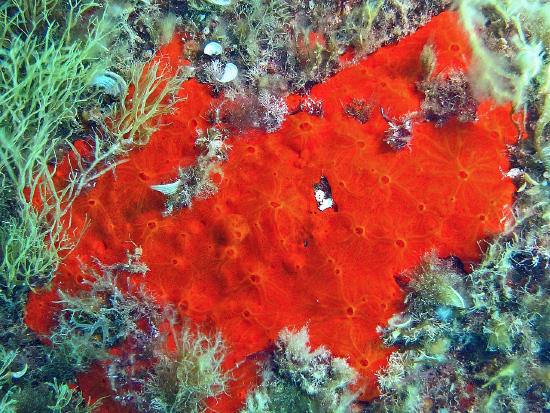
322 202
323 194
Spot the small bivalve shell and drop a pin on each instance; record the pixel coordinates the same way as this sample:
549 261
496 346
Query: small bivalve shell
111 84
213 49
167 189
229 73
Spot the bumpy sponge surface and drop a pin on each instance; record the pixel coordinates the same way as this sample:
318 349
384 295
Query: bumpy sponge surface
259 256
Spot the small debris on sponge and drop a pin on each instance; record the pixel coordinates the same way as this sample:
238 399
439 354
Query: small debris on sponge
323 194
399 135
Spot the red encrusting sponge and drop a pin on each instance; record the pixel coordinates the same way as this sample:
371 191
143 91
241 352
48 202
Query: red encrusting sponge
259 255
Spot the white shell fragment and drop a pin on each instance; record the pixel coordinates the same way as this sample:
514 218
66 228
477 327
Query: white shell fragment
229 73
20 373
323 194
167 189
213 49
220 2
111 84
452 297
322 202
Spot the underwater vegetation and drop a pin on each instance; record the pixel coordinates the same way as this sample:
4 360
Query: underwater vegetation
478 340
295 378
53 57
161 243
219 267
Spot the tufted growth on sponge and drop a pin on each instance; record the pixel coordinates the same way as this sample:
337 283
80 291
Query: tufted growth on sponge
436 282
297 378
184 379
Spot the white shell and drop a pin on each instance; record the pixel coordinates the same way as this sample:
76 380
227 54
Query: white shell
111 84
220 2
167 189
452 297
229 73
213 49
20 373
